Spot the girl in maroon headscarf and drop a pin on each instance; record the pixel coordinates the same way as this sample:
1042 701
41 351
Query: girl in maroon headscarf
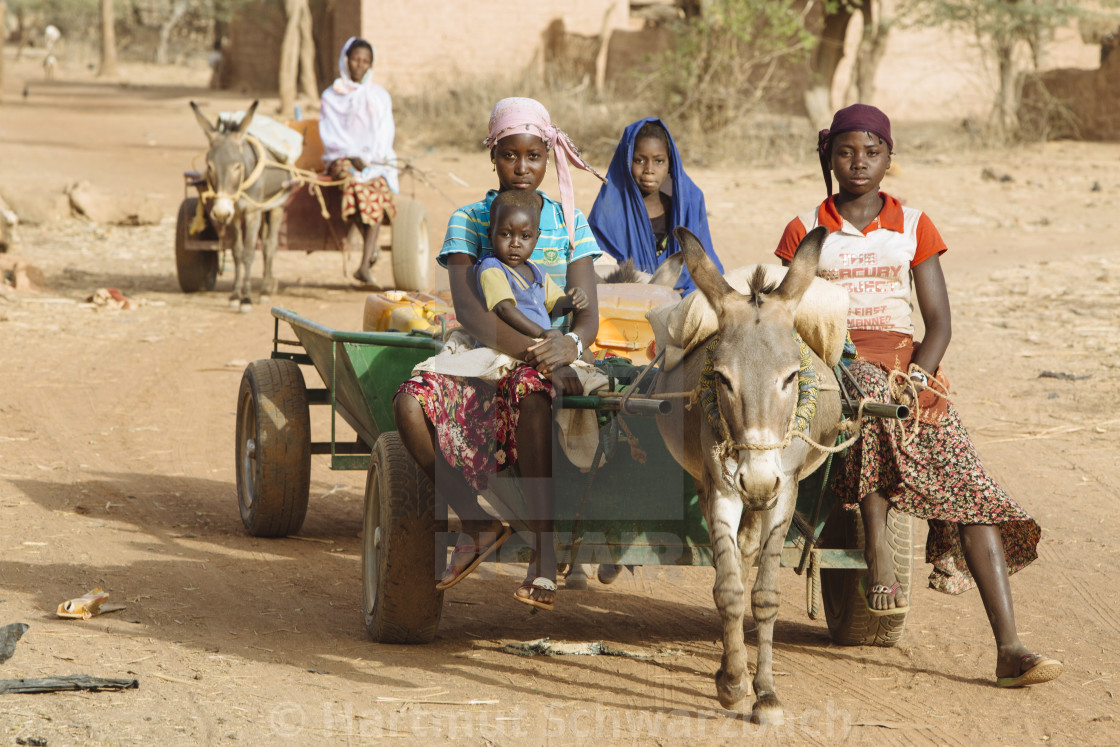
978 535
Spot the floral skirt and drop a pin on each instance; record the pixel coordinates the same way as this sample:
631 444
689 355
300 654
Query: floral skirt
475 423
937 477
369 200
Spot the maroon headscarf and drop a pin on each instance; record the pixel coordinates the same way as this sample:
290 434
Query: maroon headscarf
854 118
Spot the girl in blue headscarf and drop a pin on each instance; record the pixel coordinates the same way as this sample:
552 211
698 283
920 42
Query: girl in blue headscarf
646 196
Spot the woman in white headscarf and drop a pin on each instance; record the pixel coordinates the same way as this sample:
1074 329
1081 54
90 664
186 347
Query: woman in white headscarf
356 127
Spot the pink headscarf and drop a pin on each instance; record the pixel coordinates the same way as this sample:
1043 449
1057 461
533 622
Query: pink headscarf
529 116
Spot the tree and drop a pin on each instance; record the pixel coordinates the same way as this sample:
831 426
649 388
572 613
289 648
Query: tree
108 67
1013 32
297 56
728 58
178 11
3 32
877 18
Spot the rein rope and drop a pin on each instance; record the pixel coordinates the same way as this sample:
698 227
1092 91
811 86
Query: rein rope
900 383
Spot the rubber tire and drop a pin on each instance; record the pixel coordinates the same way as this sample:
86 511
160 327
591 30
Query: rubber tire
849 622
411 246
399 594
197 270
273 448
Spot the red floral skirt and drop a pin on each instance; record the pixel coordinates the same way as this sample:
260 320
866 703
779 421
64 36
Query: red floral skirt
369 200
475 423
937 477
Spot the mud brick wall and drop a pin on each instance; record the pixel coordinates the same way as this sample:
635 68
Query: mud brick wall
419 42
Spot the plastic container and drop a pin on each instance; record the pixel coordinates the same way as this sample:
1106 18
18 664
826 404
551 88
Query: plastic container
405 312
623 327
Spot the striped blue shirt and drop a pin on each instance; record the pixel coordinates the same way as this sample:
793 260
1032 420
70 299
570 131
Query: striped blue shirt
469 227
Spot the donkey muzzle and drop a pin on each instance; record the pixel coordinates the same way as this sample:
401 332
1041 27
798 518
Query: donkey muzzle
759 479
222 210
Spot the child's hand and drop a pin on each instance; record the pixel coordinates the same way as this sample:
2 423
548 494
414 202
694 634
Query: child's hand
566 380
578 298
551 333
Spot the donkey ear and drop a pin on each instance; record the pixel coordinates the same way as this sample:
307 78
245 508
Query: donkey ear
246 120
702 268
208 129
803 268
669 271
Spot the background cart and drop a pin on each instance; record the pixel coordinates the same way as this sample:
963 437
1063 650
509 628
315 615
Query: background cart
198 253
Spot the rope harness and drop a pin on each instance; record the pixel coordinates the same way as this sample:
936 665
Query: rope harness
808 384
898 384
303 176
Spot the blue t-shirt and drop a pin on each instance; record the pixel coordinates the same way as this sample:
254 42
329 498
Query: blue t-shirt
469 227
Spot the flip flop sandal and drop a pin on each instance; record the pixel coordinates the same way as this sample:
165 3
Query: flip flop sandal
480 554
1043 670
892 590
539 584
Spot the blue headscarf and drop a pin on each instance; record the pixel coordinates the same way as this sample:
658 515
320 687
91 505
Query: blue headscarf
619 219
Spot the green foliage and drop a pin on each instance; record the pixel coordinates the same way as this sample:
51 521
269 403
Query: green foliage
1001 27
725 62
1001 21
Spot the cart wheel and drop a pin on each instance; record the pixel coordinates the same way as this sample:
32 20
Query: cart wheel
411 266
849 622
398 548
197 270
273 448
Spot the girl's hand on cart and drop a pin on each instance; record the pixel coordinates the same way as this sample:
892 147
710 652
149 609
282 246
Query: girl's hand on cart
565 379
551 353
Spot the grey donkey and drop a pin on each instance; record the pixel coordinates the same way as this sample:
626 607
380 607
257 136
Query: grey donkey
247 189
746 475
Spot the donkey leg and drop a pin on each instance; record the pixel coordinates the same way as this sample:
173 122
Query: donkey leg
252 231
765 603
238 236
723 523
270 237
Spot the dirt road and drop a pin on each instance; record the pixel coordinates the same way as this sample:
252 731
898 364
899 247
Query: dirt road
116 470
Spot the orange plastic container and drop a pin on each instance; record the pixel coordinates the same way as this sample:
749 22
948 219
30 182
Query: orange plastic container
623 328
404 312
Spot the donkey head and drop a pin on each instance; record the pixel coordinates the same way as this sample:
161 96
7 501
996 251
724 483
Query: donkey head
756 362
225 161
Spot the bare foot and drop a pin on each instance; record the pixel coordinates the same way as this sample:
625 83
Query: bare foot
363 276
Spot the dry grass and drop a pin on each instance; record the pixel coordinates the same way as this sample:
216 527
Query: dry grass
456 115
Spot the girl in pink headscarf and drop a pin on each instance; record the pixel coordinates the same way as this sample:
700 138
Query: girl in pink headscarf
461 431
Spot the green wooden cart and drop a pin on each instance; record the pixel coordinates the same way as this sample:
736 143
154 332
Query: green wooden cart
639 508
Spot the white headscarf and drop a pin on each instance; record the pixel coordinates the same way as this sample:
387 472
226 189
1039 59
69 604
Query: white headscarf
356 121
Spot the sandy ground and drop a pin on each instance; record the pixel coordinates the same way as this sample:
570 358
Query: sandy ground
117 470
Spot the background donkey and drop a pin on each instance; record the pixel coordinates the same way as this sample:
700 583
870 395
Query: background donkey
747 476
249 189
